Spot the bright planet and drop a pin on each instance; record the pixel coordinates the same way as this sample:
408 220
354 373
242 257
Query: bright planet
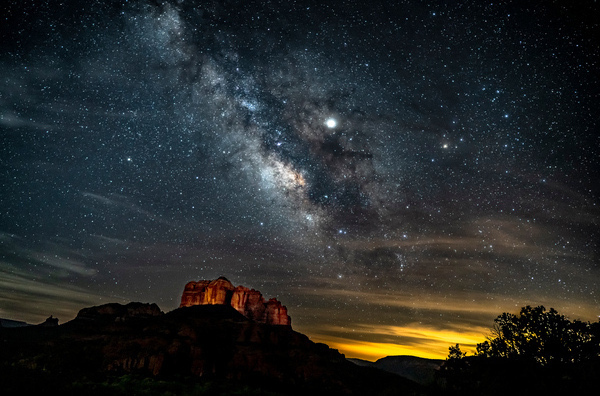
331 123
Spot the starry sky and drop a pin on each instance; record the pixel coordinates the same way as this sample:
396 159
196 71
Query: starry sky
396 173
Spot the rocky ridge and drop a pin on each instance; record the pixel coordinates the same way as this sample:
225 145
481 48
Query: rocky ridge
202 344
248 302
119 313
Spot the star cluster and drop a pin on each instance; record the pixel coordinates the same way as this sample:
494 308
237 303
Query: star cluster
396 173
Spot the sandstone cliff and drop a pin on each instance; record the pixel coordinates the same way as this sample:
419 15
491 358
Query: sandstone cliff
248 302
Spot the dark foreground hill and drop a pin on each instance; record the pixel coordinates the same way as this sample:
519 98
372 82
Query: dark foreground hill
210 349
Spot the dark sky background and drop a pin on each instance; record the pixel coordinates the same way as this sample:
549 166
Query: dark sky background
396 173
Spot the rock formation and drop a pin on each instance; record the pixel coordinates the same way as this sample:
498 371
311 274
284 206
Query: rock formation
119 313
248 302
215 349
50 322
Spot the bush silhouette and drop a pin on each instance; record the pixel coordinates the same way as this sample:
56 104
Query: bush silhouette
537 351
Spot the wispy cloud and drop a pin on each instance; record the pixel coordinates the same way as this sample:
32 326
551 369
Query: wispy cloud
414 340
33 300
46 258
120 201
9 120
64 263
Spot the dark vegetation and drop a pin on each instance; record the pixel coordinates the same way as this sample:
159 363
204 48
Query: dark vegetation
536 352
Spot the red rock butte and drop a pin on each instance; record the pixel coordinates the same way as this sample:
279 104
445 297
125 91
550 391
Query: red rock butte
248 302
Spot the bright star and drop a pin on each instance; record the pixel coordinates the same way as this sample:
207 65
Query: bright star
331 123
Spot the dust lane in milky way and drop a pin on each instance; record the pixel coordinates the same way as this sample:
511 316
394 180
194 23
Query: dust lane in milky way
396 174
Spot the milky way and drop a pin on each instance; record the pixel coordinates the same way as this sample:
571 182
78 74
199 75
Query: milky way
396 174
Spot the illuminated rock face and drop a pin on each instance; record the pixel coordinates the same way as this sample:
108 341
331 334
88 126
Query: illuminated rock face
248 302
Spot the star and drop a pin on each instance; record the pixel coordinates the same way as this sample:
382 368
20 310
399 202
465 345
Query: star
166 148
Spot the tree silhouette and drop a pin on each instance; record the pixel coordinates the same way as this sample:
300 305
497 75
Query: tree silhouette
456 353
538 351
541 352
541 336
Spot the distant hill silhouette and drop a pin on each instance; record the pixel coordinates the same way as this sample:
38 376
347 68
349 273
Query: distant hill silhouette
205 349
420 370
12 323
8 323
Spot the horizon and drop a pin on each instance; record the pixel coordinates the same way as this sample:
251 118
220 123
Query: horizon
370 351
398 174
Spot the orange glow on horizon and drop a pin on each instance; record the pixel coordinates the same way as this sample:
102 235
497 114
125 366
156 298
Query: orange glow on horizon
430 344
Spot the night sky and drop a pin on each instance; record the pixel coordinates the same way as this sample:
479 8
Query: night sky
397 174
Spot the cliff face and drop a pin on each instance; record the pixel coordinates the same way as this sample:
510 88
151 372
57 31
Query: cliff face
248 302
